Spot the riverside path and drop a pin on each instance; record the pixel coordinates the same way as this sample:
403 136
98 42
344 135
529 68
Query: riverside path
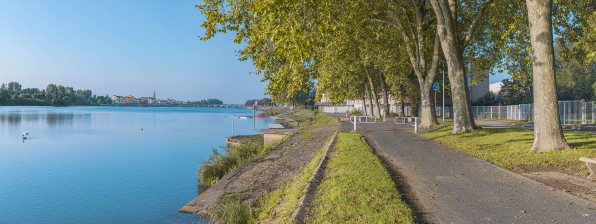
448 186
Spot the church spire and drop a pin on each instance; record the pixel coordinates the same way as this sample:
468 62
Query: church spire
154 93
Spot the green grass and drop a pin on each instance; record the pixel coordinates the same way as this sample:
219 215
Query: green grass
450 120
231 210
507 120
321 121
580 125
275 111
218 165
278 205
356 112
358 188
507 147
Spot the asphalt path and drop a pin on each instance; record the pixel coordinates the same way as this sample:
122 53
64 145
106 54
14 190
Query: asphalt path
453 187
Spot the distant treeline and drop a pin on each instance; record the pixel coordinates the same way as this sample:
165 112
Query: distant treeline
202 103
12 94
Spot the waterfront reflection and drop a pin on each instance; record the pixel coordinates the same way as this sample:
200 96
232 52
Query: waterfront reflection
18 118
59 119
98 159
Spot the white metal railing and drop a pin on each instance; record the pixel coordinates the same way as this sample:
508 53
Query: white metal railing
404 120
570 112
355 119
408 111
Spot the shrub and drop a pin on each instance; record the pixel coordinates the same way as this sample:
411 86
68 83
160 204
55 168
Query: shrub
356 112
232 212
315 112
218 165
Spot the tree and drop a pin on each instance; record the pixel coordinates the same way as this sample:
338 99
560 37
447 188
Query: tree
249 102
488 99
454 45
4 96
576 77
516 92
266 102
14 87
421 45
548 134
214 101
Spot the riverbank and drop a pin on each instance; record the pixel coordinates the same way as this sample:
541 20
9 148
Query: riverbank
269 170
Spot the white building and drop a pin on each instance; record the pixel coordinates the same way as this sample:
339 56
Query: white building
496 87
118 99
481 88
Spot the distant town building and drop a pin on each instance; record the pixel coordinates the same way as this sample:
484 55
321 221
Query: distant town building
118 99
130 99
149 100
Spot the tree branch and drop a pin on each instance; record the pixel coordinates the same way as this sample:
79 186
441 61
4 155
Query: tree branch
474 24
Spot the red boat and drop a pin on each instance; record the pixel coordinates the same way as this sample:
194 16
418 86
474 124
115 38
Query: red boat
260 115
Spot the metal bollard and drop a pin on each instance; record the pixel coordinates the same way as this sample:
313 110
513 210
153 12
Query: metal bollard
415 125
232 128
355 122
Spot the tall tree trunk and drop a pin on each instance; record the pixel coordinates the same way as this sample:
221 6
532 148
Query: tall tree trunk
364 105
463 119
374 94
369 98
402 99
428 115
403 108
414 37
548 135
385 96
364 99
453 48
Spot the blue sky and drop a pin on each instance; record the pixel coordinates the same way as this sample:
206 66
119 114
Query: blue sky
123 48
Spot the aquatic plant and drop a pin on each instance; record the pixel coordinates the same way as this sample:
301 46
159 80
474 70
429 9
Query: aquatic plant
218 165
231 212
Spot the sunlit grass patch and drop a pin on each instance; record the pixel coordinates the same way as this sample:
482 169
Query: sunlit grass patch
277 206
507 147
218 165
231 210
358 188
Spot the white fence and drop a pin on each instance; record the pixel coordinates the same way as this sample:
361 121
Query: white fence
350 108
570 112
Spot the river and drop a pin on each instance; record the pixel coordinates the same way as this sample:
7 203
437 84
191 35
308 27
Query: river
108 164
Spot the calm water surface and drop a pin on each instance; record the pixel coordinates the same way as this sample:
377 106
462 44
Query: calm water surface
95 165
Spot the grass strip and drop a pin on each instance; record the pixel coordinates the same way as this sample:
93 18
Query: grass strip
509 147
358 188
277 206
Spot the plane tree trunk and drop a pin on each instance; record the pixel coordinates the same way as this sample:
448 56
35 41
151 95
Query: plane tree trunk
364 99
374 94
548 135
425 67
369 98
453 48
385 96
427 115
